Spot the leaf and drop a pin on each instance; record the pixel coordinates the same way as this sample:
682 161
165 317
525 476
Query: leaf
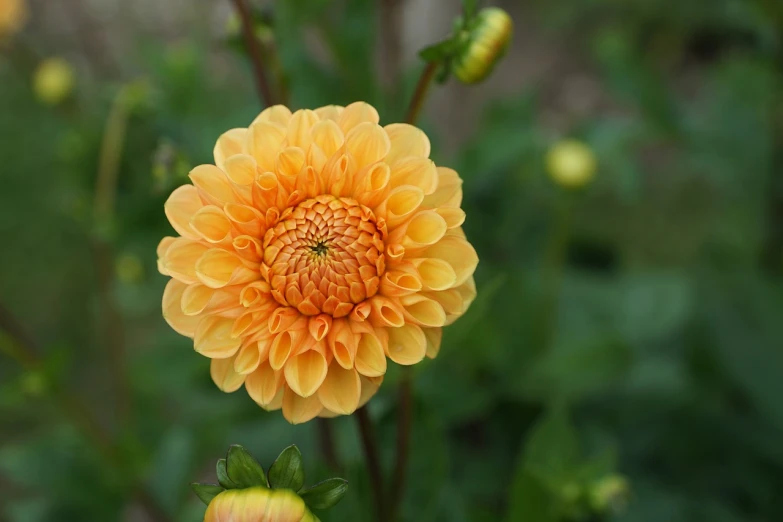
288 471
469 8
437 52
243 469
325 494
222 475
552 450
206 492
529 500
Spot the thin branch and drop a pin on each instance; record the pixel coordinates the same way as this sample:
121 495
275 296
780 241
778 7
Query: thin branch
419 95
326 440
404 420
256 54
372 459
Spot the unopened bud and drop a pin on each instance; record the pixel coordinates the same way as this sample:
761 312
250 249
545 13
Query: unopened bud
484 42
571 163
53 81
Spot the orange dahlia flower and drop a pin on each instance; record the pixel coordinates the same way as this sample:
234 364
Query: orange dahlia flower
318 245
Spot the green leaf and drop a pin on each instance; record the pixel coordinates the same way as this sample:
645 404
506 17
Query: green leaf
552 452
243 469
469 8
206 492
325 494
529 500
222 475
288 470
437 52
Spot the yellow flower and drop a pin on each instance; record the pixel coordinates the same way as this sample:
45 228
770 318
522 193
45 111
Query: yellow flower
258 505
571 163
13 15
318 245
487 40
53 81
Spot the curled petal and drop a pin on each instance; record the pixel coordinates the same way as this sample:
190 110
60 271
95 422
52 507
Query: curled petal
328 136
248 248
286 345
453 216
279 114
224 376
217 268
319 326
419 172
423 311
343 343
229 144
305 372
299 128
263 384
198 298
402 281
435 273
406 140
182 204
264 139
181 258
400 204
356 113
407 344
213 338
385 312
245 219
367 143
241 169
247 359
211 224
449 191
163 247
172 309
213 186
425 228
298 409
434 337
458 253
255 294
341 390
370 356
371 184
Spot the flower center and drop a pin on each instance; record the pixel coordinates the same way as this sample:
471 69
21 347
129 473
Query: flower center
324 256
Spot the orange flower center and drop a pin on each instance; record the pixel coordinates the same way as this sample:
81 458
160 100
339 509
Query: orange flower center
324 256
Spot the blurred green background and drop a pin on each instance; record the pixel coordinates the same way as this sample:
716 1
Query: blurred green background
623 360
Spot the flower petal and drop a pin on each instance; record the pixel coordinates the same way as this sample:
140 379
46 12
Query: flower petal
458 253
217 268
407 344
434 337
299 128
370 355
263 143
224 376
406 140
181 258
241 169
211 224
228 144
356 113
298 409
341 390
263 384
279 114
367 143
305 372
172 309
419 172
449 191
182 204
213 338
423 311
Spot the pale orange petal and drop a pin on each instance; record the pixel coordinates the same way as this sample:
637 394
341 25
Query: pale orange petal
298 409
228 144
172 309
224 376
458 253
213 186
213 338
356 113
419 172
182 204
434 337
407 344
217 268
406 140
367 143
305 372
211 224
263 384
341 390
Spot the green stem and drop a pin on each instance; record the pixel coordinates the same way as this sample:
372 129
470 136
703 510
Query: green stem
255 52
420 94
373 461
404 422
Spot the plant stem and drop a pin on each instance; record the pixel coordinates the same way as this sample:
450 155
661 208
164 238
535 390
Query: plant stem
373 462
22 349
417 101
254 49
103 254
552 272
404 421
326 440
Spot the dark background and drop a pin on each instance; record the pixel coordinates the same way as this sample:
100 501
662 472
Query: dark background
638 343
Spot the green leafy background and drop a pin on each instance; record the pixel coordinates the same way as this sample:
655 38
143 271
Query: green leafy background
649 348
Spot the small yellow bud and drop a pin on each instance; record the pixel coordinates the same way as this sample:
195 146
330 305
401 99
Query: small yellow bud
53 81
486 41
609 494
129 269
258 504
13 15
571 163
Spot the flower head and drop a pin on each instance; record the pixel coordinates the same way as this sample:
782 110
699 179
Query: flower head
484 42
571 163
53 81
13 15
318 245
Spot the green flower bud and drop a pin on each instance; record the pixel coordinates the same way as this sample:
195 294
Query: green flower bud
484 42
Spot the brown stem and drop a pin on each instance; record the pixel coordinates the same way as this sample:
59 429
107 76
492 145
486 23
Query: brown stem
256 55
417 101
404 420
23 351
326 440
373 461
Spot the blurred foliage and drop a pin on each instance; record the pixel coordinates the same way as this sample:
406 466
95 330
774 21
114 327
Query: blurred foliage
647 347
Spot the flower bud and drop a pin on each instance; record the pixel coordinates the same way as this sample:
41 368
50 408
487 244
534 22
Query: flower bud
53 81
571 163
259 503
13 15
609 494
486 40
